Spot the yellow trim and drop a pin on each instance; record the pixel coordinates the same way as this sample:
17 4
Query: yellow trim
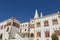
59 15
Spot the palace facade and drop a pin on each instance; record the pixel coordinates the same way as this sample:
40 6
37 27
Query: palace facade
38 28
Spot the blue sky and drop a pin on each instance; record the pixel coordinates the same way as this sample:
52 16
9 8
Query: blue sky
23 10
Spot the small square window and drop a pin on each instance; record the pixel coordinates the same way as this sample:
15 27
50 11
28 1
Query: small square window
38 24
46 23
54 21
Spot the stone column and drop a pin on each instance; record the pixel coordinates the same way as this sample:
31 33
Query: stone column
35 33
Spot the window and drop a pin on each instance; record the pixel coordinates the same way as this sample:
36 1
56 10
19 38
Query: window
15 24
32 26
20 30
29 25
2 27
47 34
38 24
0 36
38 34
9 23
57 32
7 29
25 34
25 29
46 23
32 21
20 25
54 21
25 24
32 35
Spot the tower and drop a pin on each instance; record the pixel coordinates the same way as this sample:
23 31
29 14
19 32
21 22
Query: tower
58 12
41 15
36 14
35 17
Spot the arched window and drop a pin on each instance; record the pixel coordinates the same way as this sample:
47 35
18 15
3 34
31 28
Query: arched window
32 35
